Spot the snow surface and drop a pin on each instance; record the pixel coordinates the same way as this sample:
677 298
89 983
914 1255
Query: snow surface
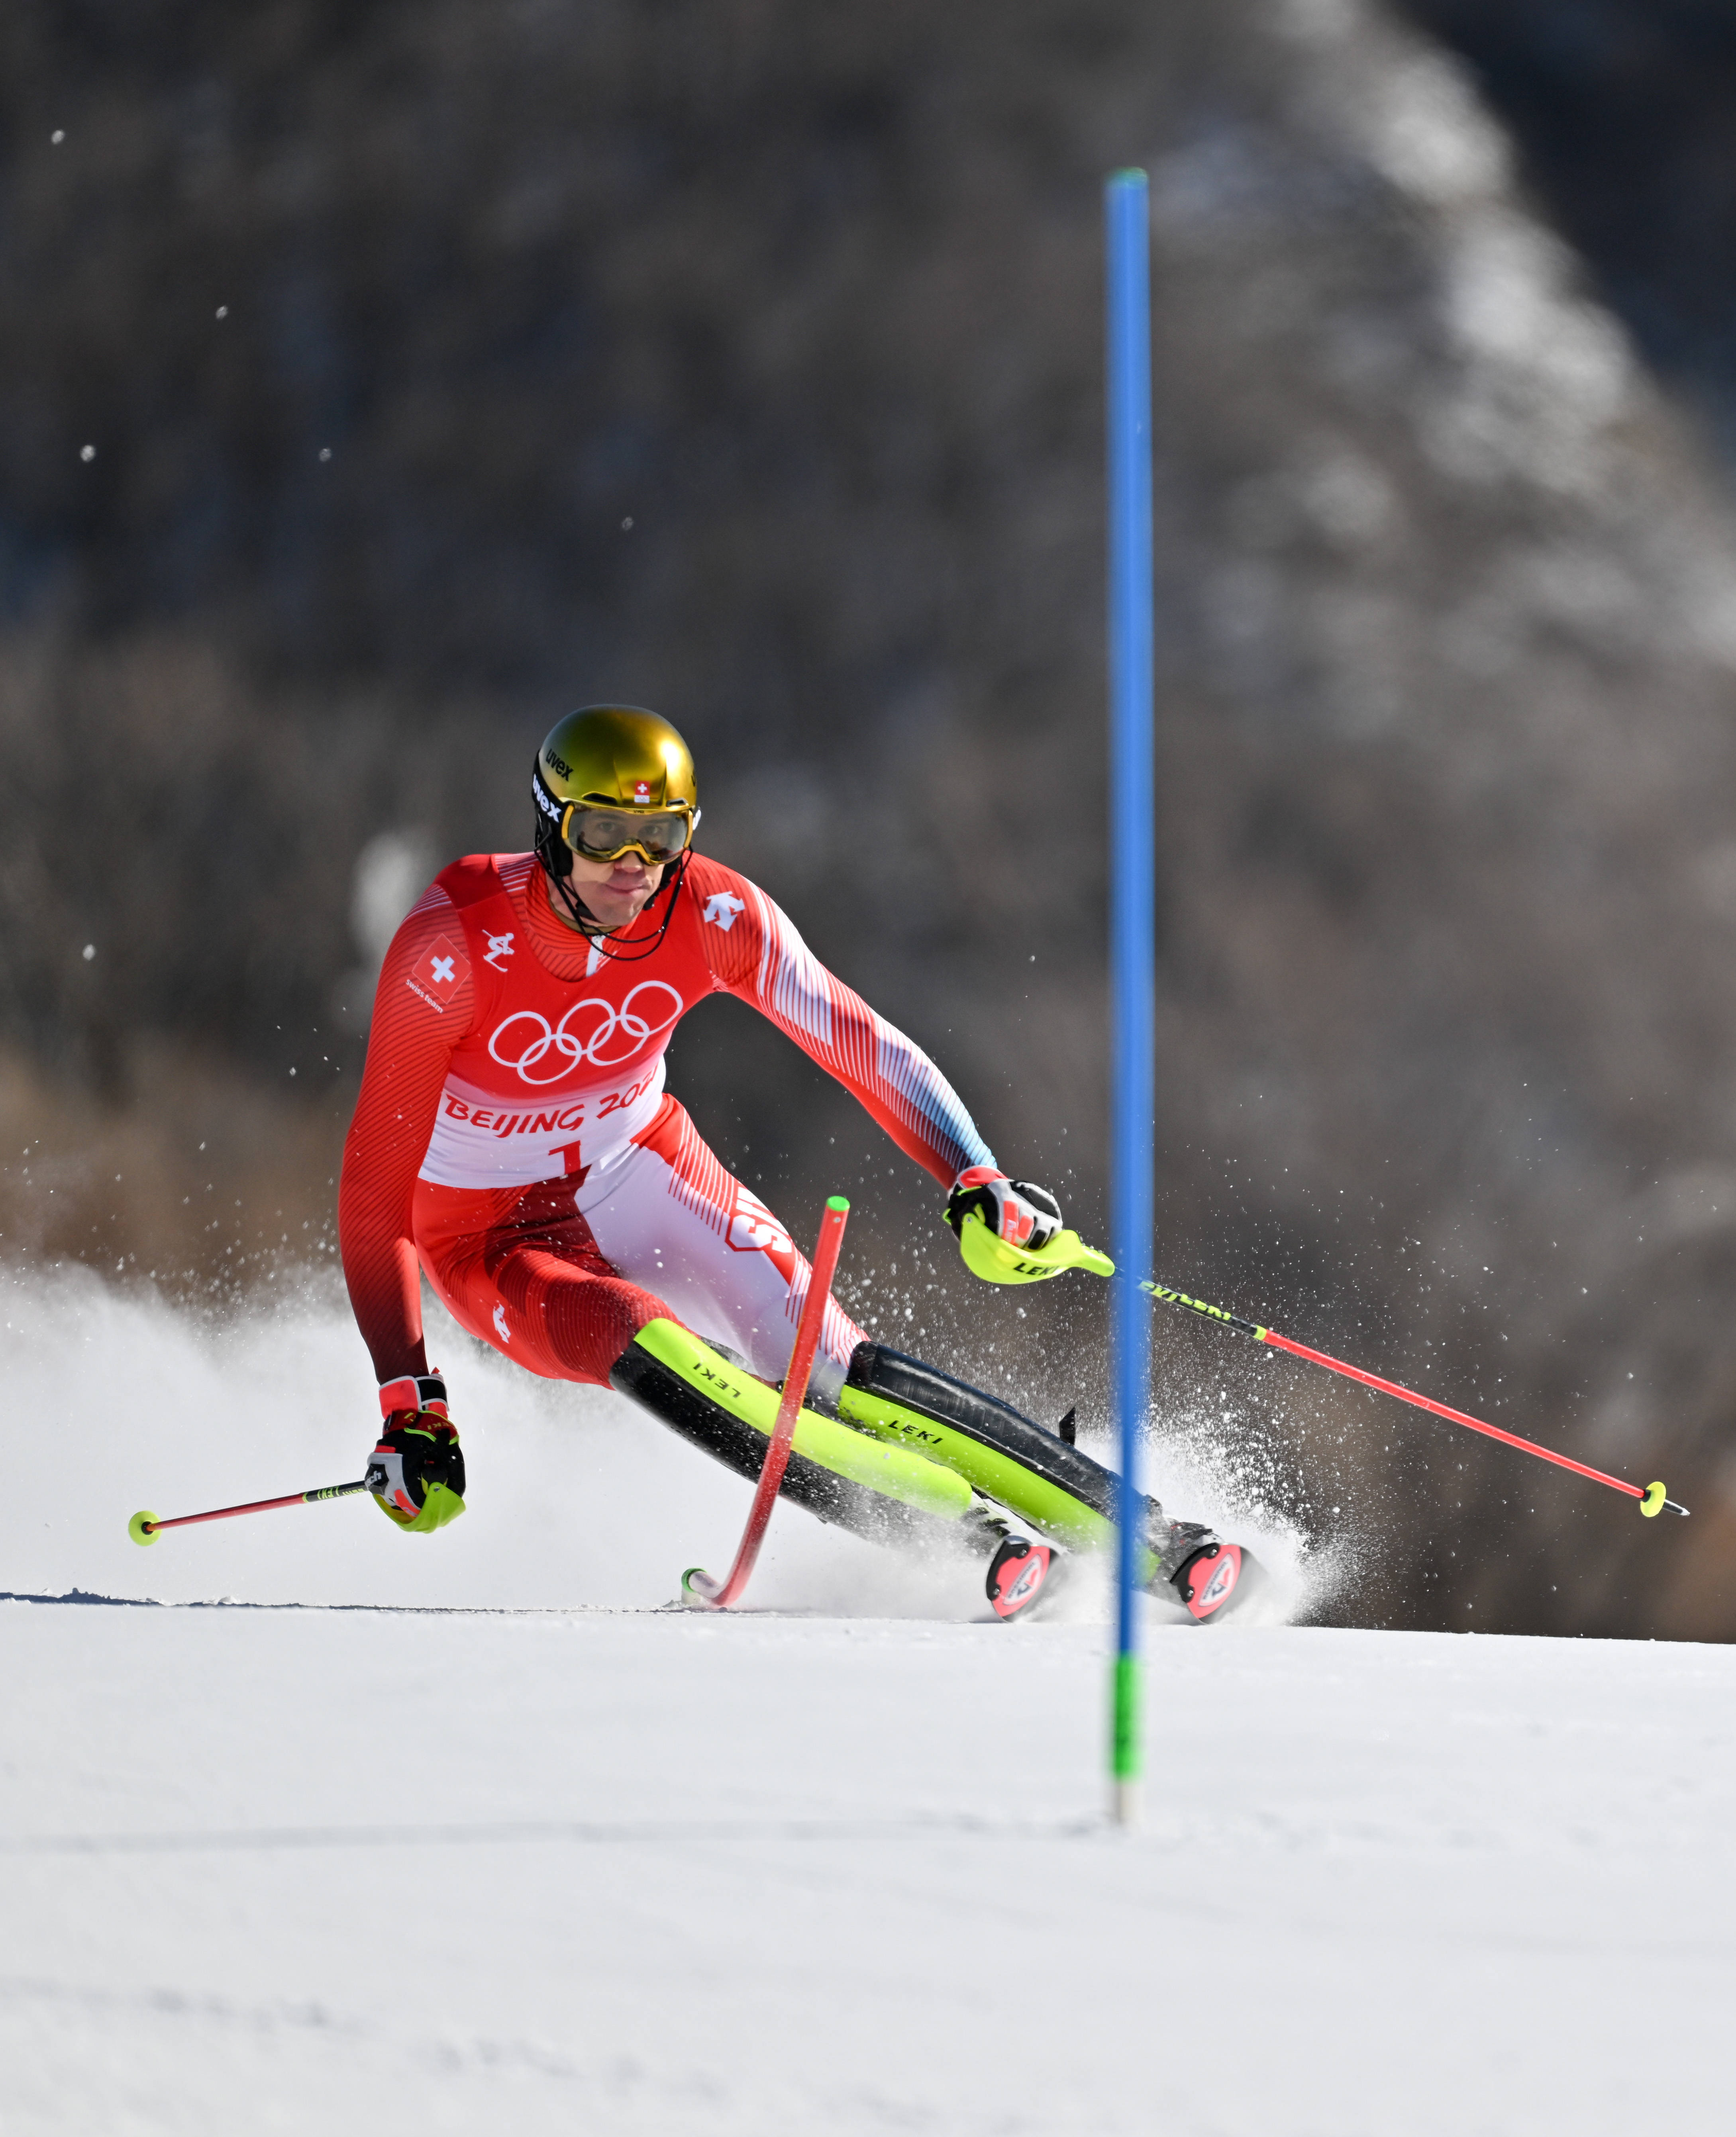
600 1867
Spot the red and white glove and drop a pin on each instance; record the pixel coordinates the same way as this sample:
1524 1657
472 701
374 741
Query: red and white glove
416 1472
414 1391
1013 1210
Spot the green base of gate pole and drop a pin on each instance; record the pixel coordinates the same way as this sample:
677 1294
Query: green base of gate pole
1125 1743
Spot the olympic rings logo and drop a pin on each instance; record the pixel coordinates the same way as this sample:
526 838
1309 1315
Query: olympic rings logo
613 1036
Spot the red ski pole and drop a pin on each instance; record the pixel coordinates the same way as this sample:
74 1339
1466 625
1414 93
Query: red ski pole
1651 1498
146 1528
696 1581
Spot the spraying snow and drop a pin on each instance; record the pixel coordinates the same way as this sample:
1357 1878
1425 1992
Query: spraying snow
578 1498
635 1872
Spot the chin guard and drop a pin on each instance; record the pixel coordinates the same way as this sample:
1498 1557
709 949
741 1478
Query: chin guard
997 1262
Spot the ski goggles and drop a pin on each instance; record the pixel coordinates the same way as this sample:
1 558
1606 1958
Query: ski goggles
656 835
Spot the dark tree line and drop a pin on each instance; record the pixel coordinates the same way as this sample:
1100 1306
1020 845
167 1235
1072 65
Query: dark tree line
380 381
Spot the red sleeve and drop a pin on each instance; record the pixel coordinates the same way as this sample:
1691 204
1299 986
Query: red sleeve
752 950
422 1010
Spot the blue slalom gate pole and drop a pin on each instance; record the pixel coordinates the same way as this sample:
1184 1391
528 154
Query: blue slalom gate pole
1132 943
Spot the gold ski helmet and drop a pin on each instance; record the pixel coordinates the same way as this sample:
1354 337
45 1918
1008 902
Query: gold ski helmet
611 780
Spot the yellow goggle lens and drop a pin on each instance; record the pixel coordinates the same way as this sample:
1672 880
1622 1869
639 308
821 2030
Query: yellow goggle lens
605 835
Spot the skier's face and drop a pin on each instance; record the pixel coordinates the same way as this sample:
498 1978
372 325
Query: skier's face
612 892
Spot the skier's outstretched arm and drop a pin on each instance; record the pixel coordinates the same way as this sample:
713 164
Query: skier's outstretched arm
760 958
419 1017
421 1009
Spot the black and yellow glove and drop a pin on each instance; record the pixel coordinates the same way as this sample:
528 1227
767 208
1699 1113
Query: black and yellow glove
1010 1232
1016 1212
416 1472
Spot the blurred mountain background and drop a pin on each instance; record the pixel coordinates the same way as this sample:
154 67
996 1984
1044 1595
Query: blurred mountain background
381 381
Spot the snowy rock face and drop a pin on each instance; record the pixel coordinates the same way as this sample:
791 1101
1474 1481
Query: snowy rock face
747 361
1449 773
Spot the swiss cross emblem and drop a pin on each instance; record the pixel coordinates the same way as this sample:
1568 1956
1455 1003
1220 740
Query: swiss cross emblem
641 790
441 972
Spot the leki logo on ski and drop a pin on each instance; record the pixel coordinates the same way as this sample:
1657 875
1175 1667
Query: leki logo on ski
605 1036
703 1372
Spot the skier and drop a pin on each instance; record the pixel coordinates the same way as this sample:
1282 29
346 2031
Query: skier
513 1139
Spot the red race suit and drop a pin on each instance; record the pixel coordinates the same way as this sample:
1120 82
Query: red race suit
513 1138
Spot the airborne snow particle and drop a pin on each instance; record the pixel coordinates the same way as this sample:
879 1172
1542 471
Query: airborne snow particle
90 952
222 311
87 452
627 525
58 135
325 452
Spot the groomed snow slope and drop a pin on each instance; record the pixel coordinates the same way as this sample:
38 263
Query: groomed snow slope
318 1869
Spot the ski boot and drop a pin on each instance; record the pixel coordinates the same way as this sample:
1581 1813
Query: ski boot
1018 1575
1209 1576
1020 1570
